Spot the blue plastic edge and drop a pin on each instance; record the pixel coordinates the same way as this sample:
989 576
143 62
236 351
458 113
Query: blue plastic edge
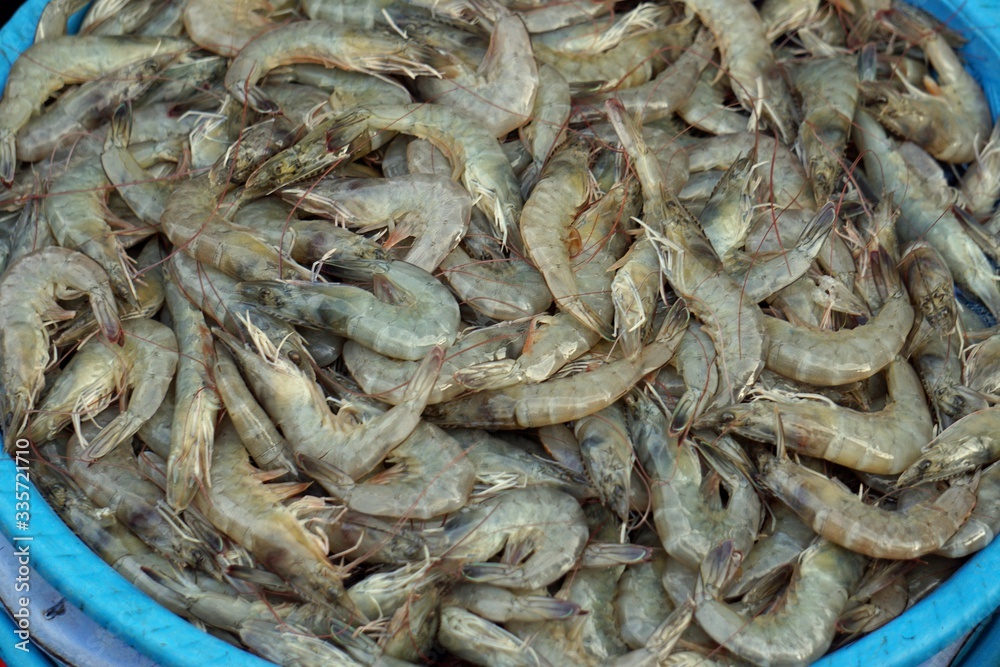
963 601
70 567
33 657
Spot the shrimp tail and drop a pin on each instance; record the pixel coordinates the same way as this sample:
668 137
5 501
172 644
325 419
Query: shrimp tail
423 379
336 482
106 314
118 430
187 469
717 569
8 157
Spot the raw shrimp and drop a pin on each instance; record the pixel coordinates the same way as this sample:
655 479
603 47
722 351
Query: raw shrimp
150 350
116 483
749 61
501 464
146 196
925 213
53 63
197 401
695 359
547 127
266 446
930 286
607 453
841 517
501 604
330 44
803 625
736 325
252 514
484 358
689 521
427 475
76 209
884 443
544 531
705 109
504 288
563 189
971 442
830 358
296 404
193 223
409 313
500 93
433 210
473 151
951 121
77 112
666 92
564 399
984 522
484 643
29 291
981 181
829 91
226 26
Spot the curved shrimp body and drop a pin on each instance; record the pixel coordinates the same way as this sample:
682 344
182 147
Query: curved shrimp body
925 213
116 483
428 475
482 359
983 524
543 521
505 288
667 91
226 26
981 181
300 410
75 208
736 325
51 64
85 387
150 352
688 522
29 290
76 113
243 508
192 222
410 312
803 625
501 91
197 401
266 446
952 121
971 442
630 63
474 153
841 517
883 443
432 209
547 127
563 189
829 358
483 642
330 44
749 61
146 196
829 91
563 399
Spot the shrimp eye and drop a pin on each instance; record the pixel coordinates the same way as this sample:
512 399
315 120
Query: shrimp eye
923 465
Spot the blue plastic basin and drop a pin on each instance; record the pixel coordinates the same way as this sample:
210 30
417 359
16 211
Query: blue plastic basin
956 607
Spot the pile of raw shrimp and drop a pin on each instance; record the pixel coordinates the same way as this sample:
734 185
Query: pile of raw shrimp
550 333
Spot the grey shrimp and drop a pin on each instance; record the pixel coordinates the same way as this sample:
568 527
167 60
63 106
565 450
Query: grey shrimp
29 291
